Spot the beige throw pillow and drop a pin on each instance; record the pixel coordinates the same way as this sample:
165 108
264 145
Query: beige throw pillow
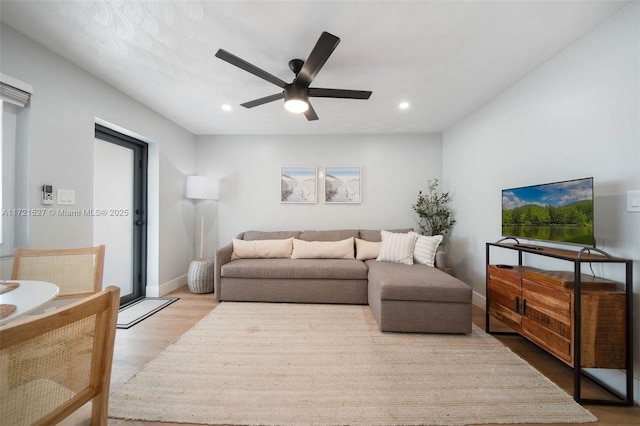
342 249
397 248
262 249
367 249
425 250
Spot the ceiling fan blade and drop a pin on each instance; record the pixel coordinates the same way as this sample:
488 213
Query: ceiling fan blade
324 47
317 92
311 113
262 101
241 63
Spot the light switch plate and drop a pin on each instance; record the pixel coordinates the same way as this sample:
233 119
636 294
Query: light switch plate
633 201
66 197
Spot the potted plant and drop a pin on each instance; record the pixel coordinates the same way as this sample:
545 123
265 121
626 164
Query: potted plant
435 215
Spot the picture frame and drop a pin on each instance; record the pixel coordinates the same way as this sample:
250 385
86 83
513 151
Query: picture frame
298 184
343 184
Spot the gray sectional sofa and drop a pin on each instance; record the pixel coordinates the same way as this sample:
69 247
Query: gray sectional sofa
402 297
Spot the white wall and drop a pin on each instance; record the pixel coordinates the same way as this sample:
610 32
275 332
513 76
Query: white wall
63 111
394 169
577 115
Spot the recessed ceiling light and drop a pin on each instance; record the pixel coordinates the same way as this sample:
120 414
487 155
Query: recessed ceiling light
226 107
403 105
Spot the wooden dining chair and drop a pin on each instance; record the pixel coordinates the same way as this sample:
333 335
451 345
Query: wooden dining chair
76 271
53 364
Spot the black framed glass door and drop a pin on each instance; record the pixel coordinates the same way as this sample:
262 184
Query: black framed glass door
120 206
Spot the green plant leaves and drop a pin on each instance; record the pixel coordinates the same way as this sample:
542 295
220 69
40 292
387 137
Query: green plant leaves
436 217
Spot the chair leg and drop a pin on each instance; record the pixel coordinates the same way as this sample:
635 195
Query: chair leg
99 409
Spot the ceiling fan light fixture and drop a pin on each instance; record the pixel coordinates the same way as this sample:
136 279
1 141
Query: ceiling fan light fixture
296 105
295 99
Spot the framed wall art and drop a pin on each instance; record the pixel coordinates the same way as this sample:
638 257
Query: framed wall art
342 184
298 184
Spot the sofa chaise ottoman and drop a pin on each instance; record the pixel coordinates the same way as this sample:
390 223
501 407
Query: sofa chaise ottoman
418 298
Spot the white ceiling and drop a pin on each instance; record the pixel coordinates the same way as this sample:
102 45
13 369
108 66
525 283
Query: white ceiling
446 58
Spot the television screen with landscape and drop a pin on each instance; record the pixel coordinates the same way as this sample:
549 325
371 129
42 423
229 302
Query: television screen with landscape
559 212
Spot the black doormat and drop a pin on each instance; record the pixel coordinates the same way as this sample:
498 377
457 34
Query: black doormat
132 314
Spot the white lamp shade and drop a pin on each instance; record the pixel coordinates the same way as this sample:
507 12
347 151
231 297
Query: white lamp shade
203 188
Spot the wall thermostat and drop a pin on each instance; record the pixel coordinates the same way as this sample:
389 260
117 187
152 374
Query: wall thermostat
47 194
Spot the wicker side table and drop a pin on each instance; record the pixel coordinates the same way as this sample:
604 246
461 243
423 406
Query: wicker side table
200 276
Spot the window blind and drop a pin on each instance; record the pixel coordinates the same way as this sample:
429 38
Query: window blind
14 91
14 95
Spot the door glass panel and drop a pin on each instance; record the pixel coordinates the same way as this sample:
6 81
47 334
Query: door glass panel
113 212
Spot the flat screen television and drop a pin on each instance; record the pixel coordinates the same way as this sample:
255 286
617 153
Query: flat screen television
559 212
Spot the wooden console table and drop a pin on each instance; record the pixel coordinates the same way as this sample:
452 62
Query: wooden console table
584 321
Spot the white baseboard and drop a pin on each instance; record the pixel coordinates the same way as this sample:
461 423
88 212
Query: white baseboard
479 300
617 380
166 287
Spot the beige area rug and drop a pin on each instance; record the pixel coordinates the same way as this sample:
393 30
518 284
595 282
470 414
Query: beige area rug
295 364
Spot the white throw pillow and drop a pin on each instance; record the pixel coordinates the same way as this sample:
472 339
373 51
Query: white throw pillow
396 247
262 249
367 249
342 249
425 250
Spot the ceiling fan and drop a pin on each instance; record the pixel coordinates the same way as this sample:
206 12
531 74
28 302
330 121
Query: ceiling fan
297 93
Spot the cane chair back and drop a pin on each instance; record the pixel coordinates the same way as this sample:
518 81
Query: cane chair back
53 364
77 271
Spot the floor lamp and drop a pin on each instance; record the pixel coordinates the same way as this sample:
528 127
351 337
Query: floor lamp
200 275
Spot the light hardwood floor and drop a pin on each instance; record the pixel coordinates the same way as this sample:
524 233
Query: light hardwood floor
141 343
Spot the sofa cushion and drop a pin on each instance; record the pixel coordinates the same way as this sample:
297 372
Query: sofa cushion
424 252
331 235
374 234
259 249
269 235
397 248
367 249
323 249
295 268
394 281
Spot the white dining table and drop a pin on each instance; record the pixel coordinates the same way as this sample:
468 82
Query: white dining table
27 297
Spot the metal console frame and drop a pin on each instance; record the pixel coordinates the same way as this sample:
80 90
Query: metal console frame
578 259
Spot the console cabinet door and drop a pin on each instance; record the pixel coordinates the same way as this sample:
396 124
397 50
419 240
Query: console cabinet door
547 318
505 296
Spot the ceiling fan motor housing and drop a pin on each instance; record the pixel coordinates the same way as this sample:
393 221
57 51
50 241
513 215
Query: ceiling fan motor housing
294 91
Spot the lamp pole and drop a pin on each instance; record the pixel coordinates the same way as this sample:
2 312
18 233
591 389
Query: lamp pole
201 229
200 274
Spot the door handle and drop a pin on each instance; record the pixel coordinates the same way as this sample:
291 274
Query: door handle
517 305
524 307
